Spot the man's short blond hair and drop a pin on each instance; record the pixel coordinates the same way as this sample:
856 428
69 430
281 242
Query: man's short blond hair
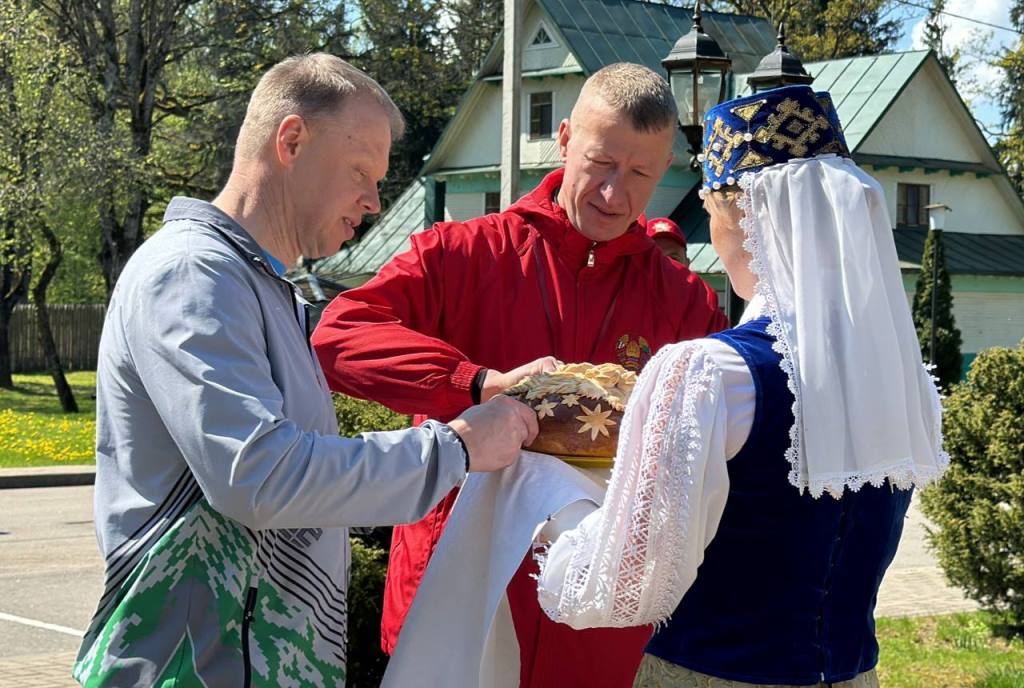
636 91
309 86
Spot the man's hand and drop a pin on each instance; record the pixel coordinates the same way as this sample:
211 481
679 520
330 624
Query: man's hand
495 431
496 383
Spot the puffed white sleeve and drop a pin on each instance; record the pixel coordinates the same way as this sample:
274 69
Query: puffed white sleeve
629 562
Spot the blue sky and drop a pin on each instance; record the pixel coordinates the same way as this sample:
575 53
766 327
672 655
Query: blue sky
978 44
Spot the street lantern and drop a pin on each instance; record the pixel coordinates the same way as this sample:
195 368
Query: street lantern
697 68
936 223
779 68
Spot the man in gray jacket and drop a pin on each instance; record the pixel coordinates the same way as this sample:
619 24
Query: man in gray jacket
222 488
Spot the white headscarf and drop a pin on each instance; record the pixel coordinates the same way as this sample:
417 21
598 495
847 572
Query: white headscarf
865 409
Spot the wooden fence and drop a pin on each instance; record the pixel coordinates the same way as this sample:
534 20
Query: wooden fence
76 328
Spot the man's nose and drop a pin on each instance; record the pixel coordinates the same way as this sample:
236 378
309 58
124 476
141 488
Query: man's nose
371 201
611 189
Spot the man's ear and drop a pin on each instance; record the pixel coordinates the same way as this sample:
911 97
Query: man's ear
564 132
292 136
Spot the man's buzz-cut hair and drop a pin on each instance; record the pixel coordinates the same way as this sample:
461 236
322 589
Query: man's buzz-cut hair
636 91
309 86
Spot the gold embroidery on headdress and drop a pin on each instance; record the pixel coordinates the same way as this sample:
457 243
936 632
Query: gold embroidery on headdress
727 140
748 111
752 159
803 124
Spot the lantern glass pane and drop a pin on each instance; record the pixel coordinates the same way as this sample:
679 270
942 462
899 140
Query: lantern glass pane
682 91
710 85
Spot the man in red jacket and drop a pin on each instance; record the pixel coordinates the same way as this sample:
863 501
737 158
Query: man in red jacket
566 273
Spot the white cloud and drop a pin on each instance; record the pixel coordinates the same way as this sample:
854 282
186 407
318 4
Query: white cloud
978 45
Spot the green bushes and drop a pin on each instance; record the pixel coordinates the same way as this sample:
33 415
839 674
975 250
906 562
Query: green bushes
356 416
979 504
366 661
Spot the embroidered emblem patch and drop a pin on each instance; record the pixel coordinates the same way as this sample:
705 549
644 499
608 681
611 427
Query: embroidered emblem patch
633 354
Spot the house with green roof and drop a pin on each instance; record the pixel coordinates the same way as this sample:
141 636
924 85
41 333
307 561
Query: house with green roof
904 122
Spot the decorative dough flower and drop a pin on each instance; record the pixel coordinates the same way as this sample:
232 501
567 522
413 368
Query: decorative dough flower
596 421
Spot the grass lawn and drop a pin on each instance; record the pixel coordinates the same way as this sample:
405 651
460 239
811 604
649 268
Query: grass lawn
952 651
34 431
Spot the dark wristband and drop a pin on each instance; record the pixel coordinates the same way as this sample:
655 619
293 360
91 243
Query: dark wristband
477 387
465 449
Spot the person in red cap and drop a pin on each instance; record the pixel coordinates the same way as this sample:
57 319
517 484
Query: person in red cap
567 273
669 238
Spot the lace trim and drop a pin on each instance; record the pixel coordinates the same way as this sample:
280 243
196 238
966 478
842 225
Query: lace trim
644 524
778 328
781 327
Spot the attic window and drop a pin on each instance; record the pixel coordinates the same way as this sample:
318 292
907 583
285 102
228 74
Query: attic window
541 38
911 202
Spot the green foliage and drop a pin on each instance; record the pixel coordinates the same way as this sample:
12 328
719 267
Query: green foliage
406 52
978 505
948 359
828 29
1010 146
935 38
366 661
356 416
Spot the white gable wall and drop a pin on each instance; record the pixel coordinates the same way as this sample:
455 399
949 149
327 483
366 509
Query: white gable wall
549 57
978 205
478 141
927 121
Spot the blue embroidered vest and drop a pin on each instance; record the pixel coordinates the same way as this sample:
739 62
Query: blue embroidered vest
786 592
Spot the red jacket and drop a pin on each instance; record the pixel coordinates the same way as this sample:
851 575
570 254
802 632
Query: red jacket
497 292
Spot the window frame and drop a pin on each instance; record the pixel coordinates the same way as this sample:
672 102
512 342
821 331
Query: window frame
904 192
487 206
552 42
529 117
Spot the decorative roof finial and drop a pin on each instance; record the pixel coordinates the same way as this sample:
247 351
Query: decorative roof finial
696 17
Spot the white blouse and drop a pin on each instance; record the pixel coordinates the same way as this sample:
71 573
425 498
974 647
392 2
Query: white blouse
629 562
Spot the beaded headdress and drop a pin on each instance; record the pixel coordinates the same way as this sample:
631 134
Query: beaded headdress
771 127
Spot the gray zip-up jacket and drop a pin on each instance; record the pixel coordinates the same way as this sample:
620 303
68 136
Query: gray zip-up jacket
222 488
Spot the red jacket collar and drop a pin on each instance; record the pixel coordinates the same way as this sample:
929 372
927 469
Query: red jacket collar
539 209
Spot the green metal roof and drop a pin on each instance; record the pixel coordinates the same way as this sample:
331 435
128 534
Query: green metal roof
386 239
863 88
601 32
974 254
966 254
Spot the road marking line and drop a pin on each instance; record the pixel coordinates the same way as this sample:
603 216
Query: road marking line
41 624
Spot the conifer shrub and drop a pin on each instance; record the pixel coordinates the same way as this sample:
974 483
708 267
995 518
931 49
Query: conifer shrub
978 505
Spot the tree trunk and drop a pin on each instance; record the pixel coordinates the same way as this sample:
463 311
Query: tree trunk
6 380
13 287
46 340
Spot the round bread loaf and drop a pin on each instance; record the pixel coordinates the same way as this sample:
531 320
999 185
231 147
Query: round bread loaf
579 408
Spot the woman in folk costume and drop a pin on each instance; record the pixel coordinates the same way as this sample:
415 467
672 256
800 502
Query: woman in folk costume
764 473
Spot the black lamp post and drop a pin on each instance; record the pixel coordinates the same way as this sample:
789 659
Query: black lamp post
936 224
779 68
697 69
